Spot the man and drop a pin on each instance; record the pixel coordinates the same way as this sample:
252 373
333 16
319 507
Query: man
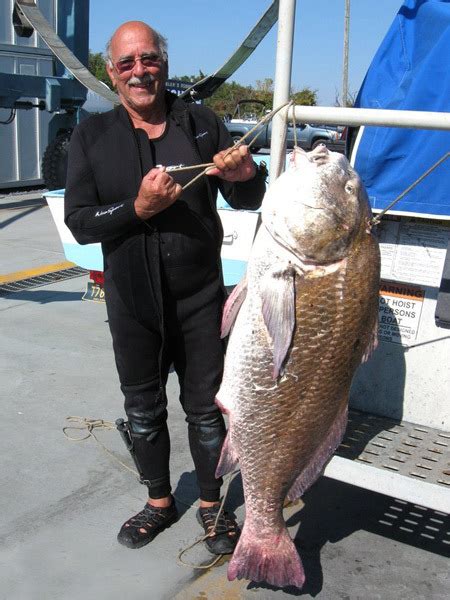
163 283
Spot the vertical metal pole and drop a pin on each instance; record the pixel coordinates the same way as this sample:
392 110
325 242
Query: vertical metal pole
345 56
282 87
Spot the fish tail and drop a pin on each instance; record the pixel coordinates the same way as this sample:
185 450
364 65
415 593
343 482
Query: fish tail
272 558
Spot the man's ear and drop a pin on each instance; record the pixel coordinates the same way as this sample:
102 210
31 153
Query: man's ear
111 74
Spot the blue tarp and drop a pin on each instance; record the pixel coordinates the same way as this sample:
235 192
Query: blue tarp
410 71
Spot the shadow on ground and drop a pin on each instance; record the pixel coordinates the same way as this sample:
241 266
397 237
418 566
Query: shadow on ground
187 493
43 296
335 510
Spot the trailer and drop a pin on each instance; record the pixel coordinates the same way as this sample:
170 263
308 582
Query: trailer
40 99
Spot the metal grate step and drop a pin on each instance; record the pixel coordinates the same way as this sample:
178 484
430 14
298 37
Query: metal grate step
39 280
421 453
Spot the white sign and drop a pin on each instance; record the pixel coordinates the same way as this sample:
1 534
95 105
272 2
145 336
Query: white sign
400 308
413 251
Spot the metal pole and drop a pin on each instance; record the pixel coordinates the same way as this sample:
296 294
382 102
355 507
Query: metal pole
282 87
345 57
414 119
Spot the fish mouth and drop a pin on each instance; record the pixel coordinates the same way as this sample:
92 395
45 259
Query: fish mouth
319 156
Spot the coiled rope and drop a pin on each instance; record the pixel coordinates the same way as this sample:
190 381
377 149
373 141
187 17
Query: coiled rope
88 426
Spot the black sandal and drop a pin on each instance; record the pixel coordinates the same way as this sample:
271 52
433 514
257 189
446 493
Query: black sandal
145 526
222 538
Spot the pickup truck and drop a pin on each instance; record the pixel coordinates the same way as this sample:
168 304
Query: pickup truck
307 136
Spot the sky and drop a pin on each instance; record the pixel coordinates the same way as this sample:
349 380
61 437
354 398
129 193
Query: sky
202 35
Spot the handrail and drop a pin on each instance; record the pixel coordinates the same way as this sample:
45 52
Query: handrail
336 115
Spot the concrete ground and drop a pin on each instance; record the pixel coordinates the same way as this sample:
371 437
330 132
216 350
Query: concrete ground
62 502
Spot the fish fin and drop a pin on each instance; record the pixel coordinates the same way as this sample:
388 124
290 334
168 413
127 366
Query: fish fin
232 306
372 344
278 309
319 459
274 560
228 460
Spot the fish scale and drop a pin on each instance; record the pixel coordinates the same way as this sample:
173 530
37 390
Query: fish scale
287 420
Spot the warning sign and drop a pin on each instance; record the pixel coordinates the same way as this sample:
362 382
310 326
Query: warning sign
400 308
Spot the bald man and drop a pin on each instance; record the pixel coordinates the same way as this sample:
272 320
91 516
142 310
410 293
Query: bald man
163 282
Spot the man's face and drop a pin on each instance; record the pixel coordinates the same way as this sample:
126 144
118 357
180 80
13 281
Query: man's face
138 72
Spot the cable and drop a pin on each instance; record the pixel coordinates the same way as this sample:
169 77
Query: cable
10 119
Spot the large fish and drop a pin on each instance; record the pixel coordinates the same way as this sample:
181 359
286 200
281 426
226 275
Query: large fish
302 320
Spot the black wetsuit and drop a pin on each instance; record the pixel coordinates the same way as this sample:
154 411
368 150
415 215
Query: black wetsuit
163 280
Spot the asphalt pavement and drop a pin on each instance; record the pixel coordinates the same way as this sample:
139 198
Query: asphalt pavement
63 501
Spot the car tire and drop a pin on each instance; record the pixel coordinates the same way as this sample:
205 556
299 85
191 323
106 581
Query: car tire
54 161
319 141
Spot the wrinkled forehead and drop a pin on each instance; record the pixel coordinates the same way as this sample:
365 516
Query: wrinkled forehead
131 40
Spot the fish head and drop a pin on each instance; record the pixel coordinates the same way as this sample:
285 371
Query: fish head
317 207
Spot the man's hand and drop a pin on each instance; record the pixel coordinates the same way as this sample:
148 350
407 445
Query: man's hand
234 164
157 192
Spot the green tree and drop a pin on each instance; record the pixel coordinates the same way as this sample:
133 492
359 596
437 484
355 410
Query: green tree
97 66
224 99
305 97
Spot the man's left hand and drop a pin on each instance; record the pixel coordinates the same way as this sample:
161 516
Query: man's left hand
234 164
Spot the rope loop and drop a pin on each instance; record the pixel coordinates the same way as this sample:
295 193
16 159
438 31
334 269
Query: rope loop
90 425
85 424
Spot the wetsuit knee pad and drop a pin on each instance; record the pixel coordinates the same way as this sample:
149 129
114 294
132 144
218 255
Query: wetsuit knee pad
146 412
214 419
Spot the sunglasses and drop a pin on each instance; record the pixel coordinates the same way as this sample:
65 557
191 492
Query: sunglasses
147 60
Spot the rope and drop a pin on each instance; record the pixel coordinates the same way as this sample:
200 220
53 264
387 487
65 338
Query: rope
376 220
206 536
88 426
295 125
266 118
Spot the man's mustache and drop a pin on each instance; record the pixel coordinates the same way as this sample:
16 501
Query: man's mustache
146 78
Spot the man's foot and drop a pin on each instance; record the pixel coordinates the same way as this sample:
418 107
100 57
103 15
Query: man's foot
222 538
143 527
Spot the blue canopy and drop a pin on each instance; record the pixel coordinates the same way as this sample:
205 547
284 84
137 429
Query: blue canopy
410 71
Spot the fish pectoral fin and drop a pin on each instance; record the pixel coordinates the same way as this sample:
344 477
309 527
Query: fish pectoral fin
232 306
278 310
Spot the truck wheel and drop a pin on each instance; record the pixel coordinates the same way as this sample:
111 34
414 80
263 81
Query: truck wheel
54 161
317 142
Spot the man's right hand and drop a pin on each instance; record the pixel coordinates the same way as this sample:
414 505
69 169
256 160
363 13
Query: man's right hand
157 192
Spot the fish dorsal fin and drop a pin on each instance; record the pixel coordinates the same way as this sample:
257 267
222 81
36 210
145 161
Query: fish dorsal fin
278 310
232 306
